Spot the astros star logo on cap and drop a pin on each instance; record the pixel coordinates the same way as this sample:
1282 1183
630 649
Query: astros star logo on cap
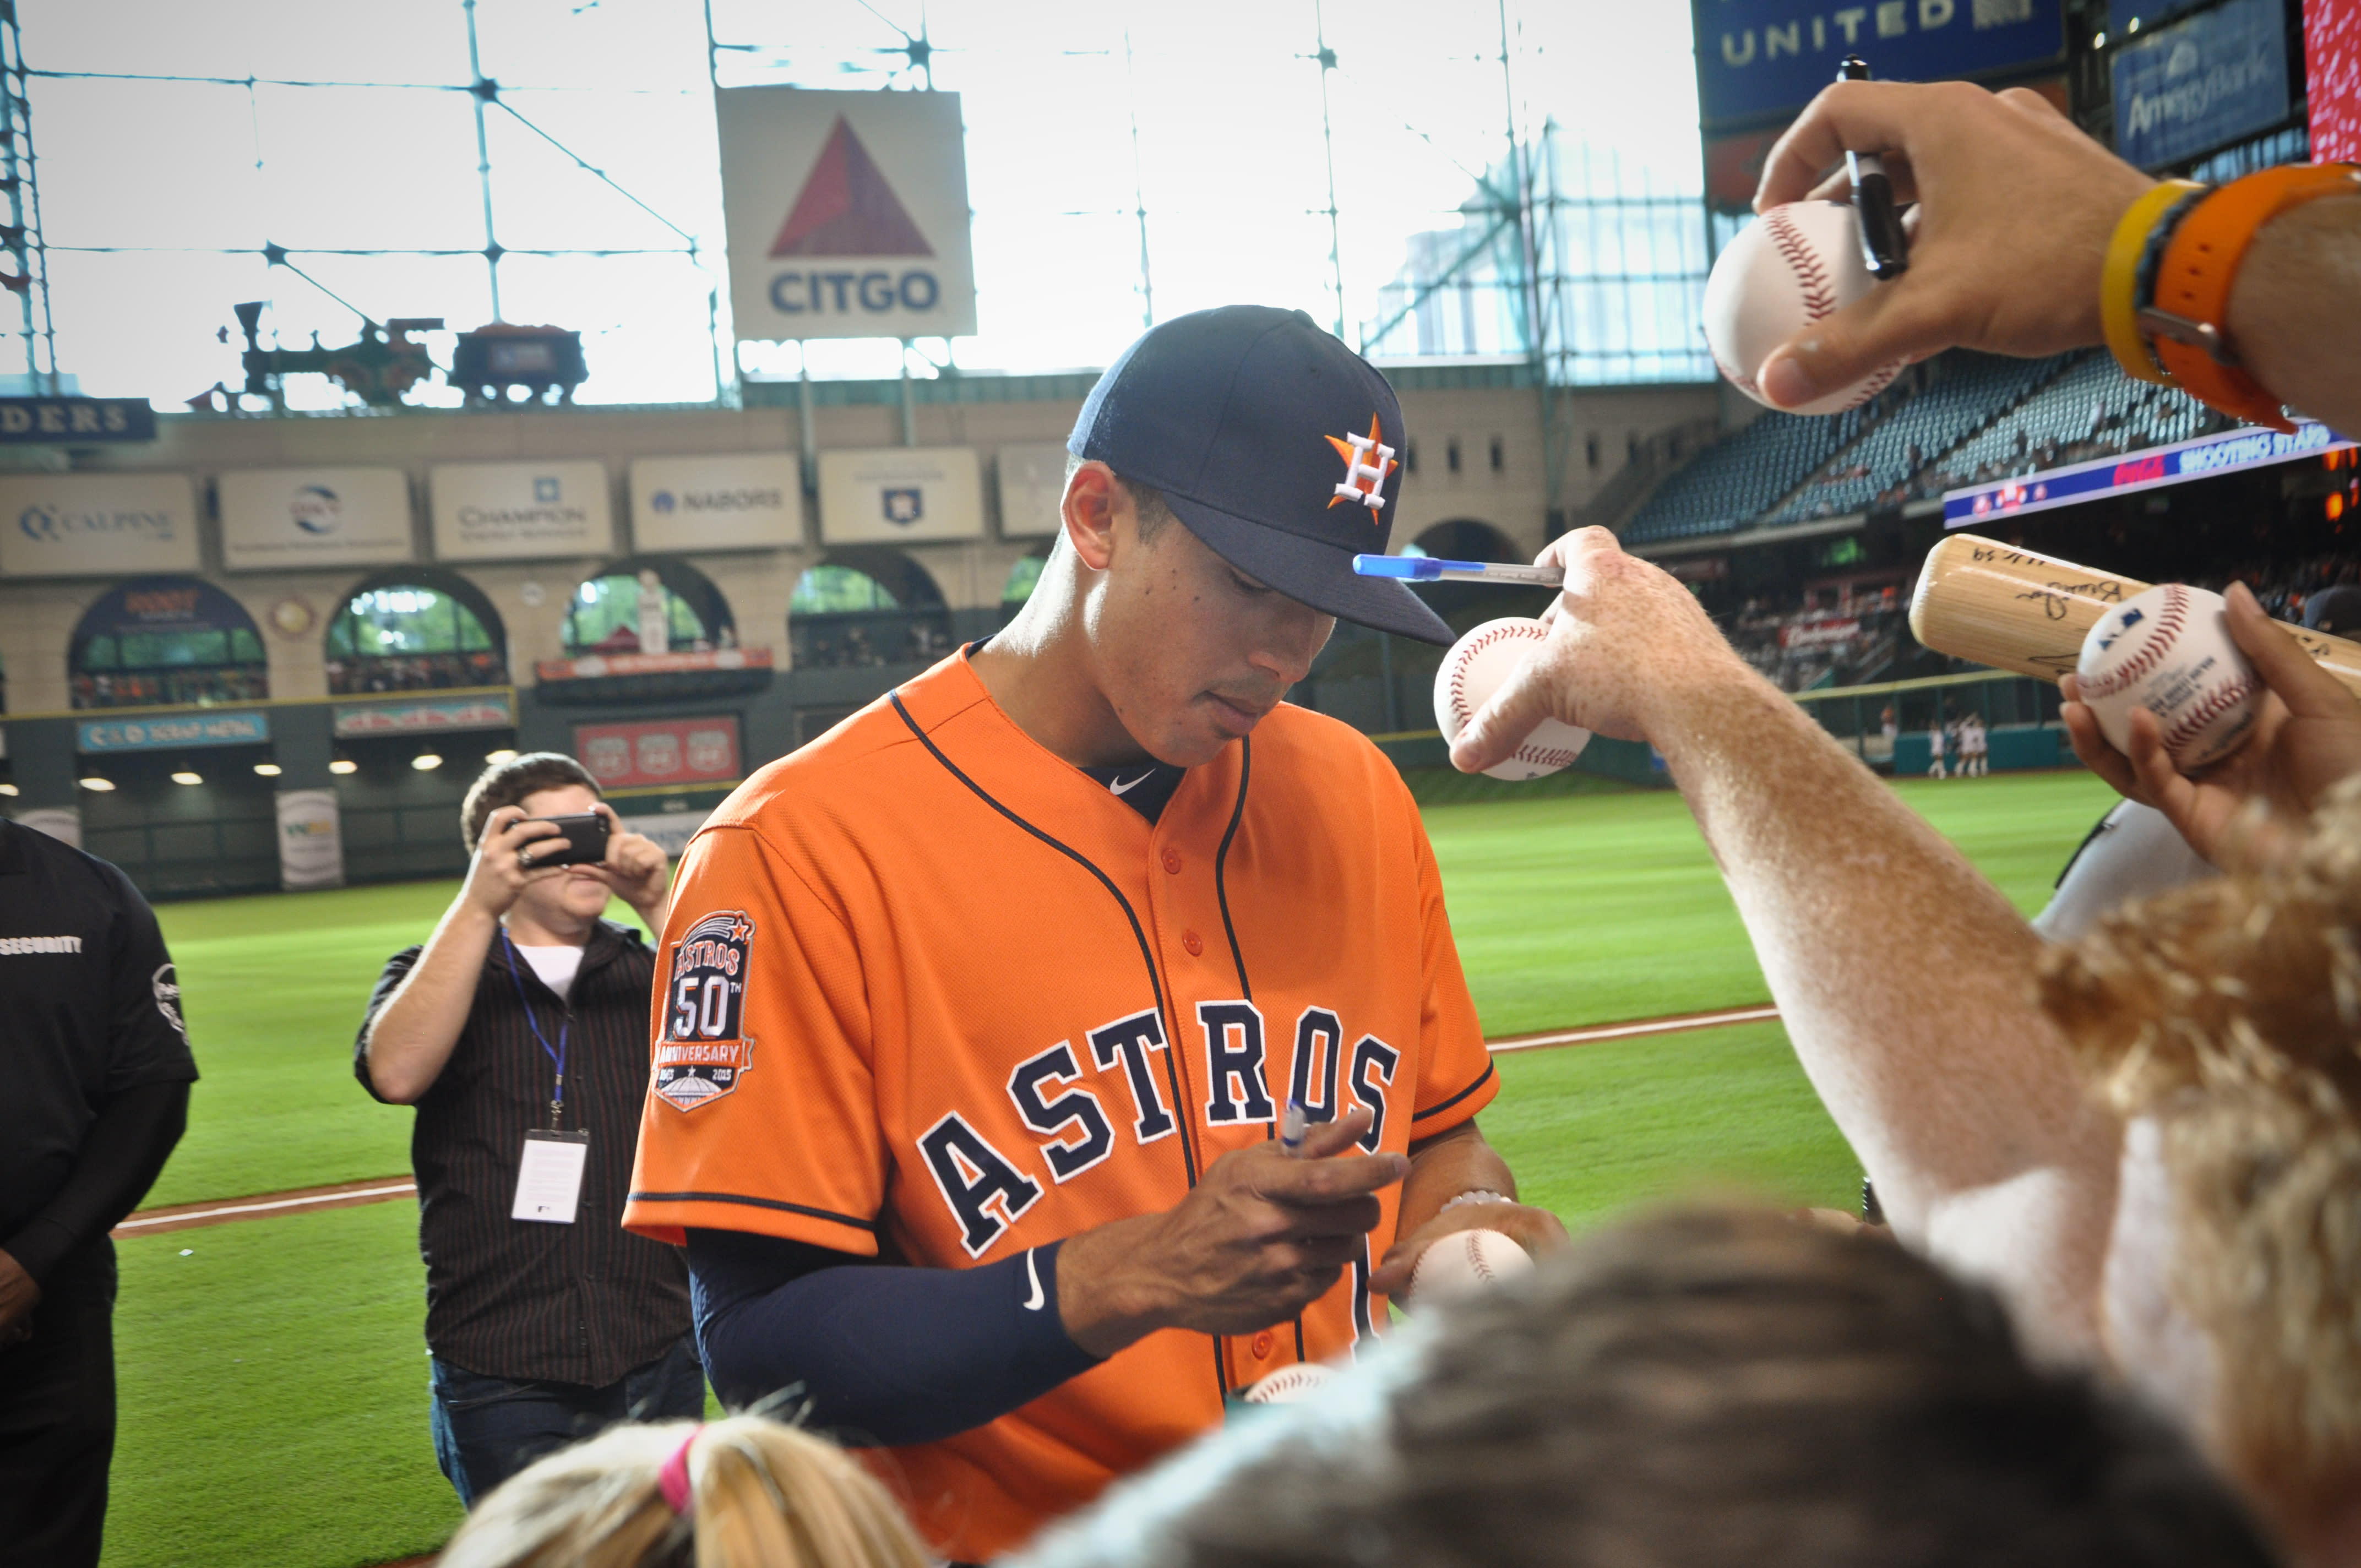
1367 461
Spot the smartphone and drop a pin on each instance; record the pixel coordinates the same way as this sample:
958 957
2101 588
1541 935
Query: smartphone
585 842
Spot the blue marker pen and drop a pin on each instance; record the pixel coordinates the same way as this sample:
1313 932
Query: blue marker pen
1292 1124
1427 569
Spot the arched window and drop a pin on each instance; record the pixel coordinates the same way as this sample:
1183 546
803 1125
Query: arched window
867 606
170 641
413 629
621 609
1465 538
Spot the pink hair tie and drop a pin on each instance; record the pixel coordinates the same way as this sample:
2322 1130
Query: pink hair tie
672 1479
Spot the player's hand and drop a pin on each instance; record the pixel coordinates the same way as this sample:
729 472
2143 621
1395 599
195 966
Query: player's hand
1624 639
635 868
20 1294
2008 191
2307 737
494 877
1263 1236
1538 1231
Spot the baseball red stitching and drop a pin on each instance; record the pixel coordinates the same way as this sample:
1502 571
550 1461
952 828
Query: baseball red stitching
2160 639
1476 1259
1819 293
1459 671
2212 706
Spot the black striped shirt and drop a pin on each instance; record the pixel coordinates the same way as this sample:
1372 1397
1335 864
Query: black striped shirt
581 1303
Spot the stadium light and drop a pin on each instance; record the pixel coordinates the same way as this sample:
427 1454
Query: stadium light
184 776
425 762
268 770
97 784
344 765
505 754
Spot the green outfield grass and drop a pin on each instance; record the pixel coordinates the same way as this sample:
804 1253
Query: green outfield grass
274 1406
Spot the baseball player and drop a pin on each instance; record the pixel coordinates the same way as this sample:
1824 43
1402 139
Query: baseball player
1975 748
1012 982
1937 735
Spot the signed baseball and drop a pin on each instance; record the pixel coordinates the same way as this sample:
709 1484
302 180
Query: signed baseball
1474 669
2168 651
1466 1261
1289 1385
1785 271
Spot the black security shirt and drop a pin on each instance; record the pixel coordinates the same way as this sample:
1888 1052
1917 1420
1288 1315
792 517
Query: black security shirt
89 1008
581 1303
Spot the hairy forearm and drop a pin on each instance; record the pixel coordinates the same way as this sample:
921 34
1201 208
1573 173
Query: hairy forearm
1445 1165
1905 981
2291 316
420 1021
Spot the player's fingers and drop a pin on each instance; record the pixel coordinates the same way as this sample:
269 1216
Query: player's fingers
1321 1139
1891 321
2309 691
1299 1182
1346 1220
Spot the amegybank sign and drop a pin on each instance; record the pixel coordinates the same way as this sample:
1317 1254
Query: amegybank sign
88 526
743 500
519 511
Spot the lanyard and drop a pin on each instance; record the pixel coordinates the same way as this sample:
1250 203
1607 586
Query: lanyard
558 1057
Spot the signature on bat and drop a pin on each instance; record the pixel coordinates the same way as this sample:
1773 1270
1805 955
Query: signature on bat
2056 597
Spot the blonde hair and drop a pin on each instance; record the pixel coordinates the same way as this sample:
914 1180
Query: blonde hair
762 1495
2230 1010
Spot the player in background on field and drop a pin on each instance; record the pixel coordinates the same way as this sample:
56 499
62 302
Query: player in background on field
1975 747
94 1056
519 1031
1938 737
978 1016
1912 1005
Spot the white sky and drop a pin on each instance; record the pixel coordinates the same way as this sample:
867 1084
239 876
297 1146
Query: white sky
1232 165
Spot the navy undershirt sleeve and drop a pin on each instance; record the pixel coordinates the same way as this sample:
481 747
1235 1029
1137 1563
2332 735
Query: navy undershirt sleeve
884 1354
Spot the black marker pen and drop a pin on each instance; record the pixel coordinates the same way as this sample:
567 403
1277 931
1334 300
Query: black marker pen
1883 247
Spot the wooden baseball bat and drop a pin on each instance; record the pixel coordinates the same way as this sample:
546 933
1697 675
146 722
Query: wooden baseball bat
2016 609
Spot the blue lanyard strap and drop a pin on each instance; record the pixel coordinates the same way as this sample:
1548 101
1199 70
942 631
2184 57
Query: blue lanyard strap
558 1057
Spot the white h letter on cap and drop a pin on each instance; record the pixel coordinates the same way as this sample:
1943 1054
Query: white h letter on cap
1359 467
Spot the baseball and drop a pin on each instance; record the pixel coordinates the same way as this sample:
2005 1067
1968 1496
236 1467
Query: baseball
1474 669
1289 1385
2168 651
1466 1261
1798 263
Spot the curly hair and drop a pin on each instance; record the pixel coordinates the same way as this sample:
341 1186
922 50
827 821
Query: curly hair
2230 1012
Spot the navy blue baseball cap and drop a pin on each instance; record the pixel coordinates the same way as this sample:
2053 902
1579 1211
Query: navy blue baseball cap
1275 444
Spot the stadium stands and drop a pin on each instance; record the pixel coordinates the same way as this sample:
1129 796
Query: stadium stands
1736 479
2092 409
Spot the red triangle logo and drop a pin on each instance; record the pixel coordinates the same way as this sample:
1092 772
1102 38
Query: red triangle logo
846 209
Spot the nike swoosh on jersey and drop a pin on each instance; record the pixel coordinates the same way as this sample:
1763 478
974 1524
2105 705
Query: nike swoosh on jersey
1124 786
1034 1273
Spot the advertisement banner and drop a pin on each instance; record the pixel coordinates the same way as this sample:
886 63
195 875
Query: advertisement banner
2201 84
96 525
314 517
741 500
896 494
1757 58
598 666
248 728
519 511
683 753
311 839
1797 635
1032 487
2331 57
74 422
2221 453
425 716
846 214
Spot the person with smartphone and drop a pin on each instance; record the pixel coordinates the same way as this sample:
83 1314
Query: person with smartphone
519 1031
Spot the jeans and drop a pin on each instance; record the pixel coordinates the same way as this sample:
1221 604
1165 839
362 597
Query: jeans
487 1429
57 1418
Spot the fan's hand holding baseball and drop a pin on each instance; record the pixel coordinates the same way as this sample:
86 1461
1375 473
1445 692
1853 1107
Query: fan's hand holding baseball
496 876
2307 737
1264 1235
1538 1231
2008 191
1625 641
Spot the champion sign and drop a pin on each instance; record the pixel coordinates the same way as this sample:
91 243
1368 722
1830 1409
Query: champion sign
847 214
71 525
508 511
750 500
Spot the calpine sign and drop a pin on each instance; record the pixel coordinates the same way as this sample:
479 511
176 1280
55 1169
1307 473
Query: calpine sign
847 214
91 524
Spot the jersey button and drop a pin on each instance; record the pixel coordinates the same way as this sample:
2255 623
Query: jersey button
1191 940
1262 1343
1172 861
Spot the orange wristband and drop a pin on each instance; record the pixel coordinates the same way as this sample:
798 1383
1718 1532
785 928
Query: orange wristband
2185 323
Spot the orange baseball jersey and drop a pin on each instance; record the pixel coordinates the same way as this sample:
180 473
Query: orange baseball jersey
929 990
